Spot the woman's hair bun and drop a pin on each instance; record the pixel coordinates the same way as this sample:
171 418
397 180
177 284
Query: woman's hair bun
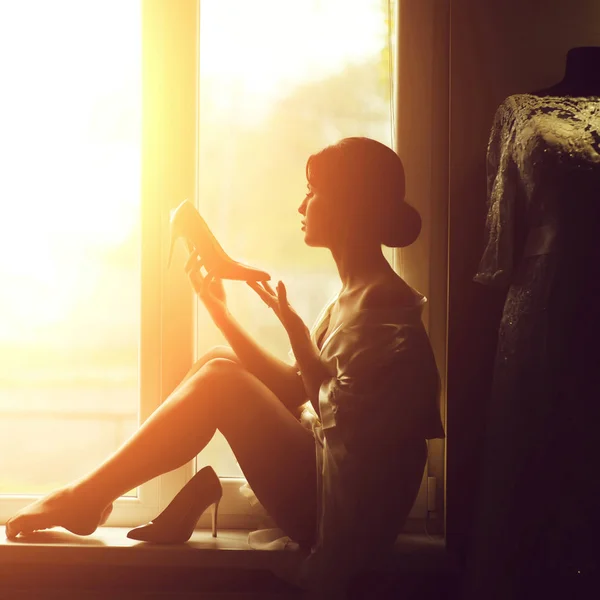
402 227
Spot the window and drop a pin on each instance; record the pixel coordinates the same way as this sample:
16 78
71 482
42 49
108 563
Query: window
235 96
270 95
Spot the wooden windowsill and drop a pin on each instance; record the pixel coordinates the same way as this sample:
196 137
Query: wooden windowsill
110 545
59 559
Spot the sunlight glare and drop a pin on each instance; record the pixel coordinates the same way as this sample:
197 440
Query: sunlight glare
68 151
262 72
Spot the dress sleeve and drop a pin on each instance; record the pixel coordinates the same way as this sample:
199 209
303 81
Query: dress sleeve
386 384
496 264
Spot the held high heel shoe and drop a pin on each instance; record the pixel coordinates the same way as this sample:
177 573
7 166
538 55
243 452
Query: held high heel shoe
176 523
186 222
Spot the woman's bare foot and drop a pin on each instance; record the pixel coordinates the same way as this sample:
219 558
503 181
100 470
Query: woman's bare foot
105 514
66 507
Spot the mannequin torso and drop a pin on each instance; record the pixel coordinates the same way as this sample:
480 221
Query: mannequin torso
582 74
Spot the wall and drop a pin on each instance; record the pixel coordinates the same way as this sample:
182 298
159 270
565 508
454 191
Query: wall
496 49
422 143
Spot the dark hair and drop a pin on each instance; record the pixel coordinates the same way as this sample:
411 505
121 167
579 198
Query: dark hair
369 177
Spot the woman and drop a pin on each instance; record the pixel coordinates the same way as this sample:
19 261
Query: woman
365 382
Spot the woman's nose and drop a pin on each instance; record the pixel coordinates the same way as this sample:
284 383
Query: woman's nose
302 208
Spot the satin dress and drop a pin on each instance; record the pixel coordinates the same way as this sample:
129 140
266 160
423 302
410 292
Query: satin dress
376 410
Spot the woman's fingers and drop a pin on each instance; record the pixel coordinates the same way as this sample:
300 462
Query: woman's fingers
268 297
268 287
200 283
193 263
282 293
197 286
254 285
197 280
265 297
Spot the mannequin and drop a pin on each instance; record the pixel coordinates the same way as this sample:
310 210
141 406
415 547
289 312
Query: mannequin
582 74
536 511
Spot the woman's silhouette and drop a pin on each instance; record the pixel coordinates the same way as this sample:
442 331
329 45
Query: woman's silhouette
342 478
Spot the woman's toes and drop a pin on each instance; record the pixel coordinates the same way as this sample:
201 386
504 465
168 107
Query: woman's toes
11 529
61 508
16 526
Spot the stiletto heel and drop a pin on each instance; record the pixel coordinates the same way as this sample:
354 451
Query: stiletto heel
176 523
186 222
215 511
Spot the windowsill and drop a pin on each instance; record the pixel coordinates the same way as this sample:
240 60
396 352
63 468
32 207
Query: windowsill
60 555
110 545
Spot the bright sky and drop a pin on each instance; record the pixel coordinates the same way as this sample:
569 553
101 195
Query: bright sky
69 144
267 46
66 186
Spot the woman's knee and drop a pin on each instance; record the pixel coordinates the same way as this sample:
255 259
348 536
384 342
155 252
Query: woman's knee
207 387
213 353
217 352
218 379
229 388
221 367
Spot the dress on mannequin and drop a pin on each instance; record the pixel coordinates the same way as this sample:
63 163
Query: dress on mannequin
536 509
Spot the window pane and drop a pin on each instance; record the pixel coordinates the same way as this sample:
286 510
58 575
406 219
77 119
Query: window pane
279 81
70 118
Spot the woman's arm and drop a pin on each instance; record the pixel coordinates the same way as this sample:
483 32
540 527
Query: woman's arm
312 370
282 379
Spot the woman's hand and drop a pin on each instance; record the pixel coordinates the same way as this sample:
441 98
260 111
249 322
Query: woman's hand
306 353
210 291
294 325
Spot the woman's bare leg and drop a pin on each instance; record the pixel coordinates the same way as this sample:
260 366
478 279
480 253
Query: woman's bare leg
214 352
275 452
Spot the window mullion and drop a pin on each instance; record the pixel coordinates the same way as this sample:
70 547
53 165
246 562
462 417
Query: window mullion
174 81
169 159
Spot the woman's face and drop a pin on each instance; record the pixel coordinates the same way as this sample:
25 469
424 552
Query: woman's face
320 220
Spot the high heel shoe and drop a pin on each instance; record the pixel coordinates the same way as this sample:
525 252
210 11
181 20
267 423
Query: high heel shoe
176 523
186 222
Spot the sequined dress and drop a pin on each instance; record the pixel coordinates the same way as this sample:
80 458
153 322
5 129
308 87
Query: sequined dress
543 247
